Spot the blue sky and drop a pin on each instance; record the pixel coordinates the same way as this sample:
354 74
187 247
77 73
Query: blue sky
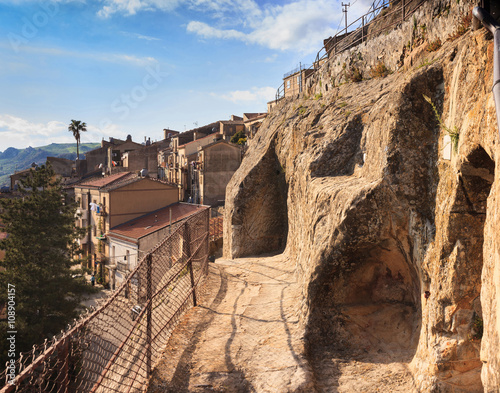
138 66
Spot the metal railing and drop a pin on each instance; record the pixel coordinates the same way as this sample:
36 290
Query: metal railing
380 18
114 348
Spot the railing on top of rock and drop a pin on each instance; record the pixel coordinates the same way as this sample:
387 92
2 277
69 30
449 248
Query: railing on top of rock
382 16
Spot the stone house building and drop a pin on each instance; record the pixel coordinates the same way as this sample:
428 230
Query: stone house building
131 241
252 122
105 202
108 156
212 171
176 162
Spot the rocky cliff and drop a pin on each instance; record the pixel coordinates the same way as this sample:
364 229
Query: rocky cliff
393 226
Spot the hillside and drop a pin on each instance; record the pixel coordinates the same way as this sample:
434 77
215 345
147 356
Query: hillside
389 222
13 159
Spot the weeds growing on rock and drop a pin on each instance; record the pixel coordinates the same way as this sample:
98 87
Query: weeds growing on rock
454 132
379 71
424 63
356 75
462 27
434 45
318 96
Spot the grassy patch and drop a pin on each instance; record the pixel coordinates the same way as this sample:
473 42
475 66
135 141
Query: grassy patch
462 28
434 45
379 71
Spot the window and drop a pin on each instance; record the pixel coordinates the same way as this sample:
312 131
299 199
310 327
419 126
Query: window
288 84
298 80
104 201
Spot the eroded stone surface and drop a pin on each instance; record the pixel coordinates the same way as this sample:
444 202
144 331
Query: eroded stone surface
247 339
396 249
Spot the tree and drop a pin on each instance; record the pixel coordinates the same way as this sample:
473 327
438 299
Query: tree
240 138
39 252
77 127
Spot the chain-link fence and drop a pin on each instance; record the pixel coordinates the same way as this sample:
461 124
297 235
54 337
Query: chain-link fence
115 348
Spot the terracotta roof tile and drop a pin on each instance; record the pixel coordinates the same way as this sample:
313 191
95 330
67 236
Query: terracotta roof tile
108 180
152 222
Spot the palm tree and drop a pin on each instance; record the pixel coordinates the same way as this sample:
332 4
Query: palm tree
77 127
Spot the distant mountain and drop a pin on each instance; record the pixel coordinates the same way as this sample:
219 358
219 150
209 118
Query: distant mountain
13 159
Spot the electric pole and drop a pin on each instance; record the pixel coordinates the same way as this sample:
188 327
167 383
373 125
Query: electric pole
345 11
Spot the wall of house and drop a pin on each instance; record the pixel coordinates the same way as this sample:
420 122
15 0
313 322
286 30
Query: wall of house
220 163
139 198
94 158
146 243
61 166
81 196
118 257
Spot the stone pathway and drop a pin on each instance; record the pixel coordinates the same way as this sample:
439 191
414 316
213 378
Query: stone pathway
245 337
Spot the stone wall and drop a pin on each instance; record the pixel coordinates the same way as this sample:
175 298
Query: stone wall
396 248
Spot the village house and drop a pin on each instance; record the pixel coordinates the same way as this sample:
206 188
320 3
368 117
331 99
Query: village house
64 170
107 156
146 157
212 171
131 241
105 202
176 162
252 123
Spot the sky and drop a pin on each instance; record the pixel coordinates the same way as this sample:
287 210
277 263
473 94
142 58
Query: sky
135 67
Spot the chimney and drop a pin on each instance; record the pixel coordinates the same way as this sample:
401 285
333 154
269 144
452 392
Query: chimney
195 135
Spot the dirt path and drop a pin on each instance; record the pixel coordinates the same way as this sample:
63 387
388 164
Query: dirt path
245 337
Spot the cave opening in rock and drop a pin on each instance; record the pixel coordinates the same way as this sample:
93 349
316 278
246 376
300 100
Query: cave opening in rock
380 311
467 220
369 308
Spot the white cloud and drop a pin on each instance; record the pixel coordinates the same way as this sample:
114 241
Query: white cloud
131 7
216 7
19 133
97 56
254 94
147 38
300 25
206 31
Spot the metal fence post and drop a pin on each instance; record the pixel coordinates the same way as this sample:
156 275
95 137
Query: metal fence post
187 252
362 29
149 281
205 259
